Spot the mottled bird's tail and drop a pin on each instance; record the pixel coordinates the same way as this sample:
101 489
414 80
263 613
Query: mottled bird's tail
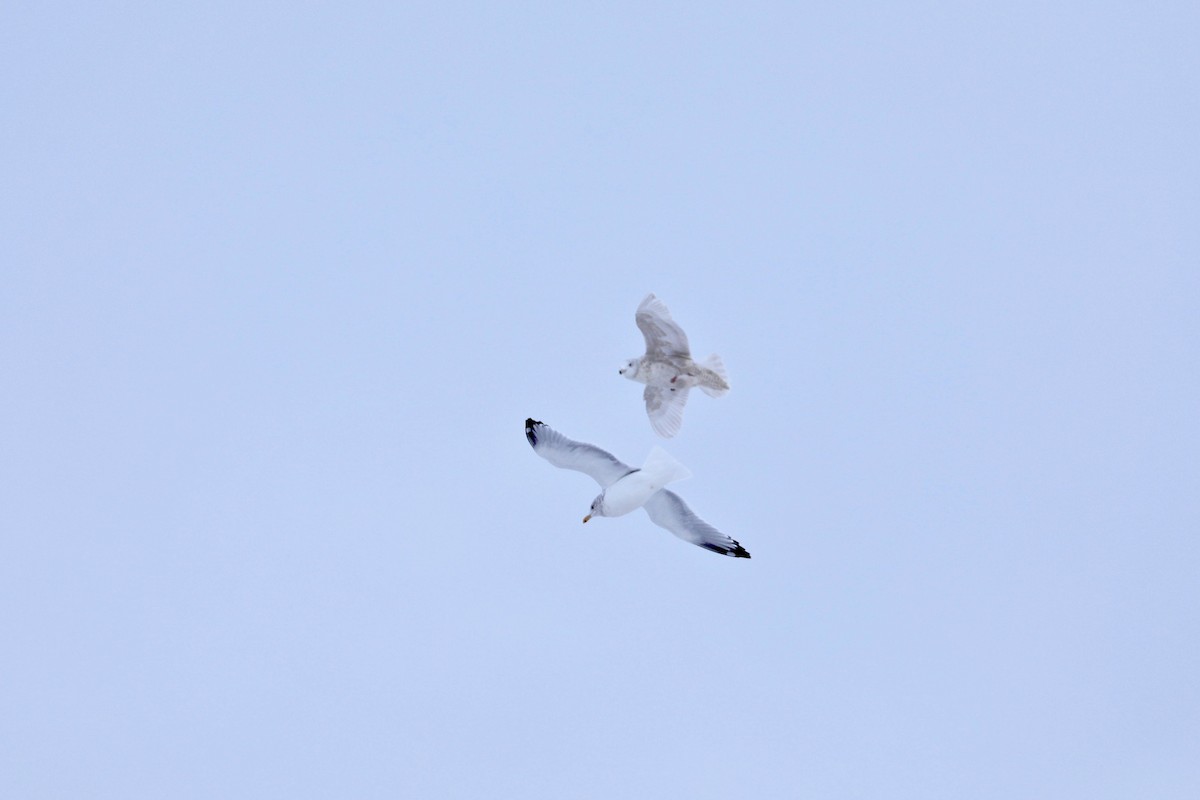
714 383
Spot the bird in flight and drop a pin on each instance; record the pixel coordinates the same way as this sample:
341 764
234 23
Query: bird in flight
626 488
668 370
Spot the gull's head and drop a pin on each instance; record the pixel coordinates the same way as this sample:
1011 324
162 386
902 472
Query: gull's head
630 368
597 509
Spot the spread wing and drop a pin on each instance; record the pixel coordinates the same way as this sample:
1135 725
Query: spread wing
664 337
664 406
668 510
560 451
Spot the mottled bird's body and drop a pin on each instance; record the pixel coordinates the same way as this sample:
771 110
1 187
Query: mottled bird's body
668 369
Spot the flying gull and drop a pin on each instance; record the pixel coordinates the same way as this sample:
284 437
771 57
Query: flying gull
626 488
668 370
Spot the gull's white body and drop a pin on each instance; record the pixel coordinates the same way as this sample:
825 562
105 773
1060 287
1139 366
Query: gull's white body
632 491
626 488
668 370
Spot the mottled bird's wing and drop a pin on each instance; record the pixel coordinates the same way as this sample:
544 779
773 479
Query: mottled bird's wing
668 510
664 406
664 338
560 451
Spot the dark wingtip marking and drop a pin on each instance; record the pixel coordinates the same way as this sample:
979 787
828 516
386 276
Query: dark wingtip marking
530 422
737 552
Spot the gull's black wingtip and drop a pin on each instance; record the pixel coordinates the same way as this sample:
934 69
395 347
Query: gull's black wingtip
737 551
530 422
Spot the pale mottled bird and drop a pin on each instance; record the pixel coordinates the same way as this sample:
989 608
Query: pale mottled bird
668 370
627 488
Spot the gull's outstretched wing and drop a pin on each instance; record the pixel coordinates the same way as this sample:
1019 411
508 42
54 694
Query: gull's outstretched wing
560 451
664 338
668 510
664 406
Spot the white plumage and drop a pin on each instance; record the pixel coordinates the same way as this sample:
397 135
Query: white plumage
668 370
626 488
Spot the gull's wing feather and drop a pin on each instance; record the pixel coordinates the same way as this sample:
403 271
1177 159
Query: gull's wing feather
668 510
664 337
560 451
664 406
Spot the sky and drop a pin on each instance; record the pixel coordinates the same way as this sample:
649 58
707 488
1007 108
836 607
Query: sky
280 284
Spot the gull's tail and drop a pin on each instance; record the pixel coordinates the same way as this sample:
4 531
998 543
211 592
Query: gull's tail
717 383
662 467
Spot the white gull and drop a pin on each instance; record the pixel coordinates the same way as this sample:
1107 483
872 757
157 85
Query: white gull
668 370
626 488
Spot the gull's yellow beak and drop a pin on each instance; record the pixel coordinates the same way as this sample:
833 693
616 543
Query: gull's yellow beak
589 516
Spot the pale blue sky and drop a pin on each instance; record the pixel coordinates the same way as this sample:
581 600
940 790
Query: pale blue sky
281 283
